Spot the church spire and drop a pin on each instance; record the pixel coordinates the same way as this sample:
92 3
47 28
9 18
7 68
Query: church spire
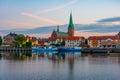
57 28
71 25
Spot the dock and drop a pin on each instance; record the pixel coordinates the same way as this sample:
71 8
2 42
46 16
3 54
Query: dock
13 49
100 50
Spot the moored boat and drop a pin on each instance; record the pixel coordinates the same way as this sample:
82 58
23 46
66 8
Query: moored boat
68 49
44 49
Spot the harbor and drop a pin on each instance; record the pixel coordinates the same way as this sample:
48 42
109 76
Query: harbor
60 40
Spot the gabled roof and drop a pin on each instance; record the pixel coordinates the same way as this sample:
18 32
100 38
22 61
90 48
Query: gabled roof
67 38
102 37
73 38
28 37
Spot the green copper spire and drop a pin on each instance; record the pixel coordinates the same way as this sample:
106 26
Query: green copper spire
58 28
71 25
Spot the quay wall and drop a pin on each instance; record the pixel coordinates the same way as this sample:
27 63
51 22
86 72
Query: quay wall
100 50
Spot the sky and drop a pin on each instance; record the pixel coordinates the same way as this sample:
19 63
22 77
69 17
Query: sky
28 14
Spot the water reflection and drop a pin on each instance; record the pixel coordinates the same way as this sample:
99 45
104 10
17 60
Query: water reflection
0 55
55 56
15 56
59 66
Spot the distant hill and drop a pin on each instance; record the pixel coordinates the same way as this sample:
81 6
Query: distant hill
78 27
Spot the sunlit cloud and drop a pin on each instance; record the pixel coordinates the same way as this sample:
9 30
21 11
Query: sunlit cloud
23 24
40 18
111 23
58 7
113 19
87 34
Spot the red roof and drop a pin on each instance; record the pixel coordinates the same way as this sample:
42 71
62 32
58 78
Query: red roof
102 37
67 38
73 38
28 37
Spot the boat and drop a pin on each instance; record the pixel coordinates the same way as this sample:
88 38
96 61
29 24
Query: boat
69 49
44 49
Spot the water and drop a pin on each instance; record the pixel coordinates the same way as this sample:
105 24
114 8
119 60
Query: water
54 66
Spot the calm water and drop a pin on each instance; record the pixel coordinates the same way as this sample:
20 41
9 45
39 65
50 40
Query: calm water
54 66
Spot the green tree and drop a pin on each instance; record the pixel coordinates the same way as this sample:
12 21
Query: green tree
0 40
16 43
63 43
58 43
29 44
86 41
23 45
20 38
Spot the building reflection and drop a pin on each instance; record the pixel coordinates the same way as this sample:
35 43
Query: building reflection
56 57
16 56
71 63
0 56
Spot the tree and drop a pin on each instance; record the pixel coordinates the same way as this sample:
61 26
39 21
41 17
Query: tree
29 44
20 38
63 43
16 43
58 43
86 41
0 40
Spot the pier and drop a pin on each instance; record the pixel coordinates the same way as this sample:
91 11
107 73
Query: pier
101 50
13 49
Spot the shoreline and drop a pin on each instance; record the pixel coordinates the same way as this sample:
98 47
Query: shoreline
83 50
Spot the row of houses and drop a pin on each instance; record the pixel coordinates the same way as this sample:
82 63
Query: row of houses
104 41
92 41
68 41
9 38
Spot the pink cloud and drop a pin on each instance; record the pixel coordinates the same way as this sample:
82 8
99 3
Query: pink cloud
58 7
87 34
40 18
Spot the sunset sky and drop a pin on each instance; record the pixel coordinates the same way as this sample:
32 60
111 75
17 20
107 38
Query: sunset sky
34 13
20 14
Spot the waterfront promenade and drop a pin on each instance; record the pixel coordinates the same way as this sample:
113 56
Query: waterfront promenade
83 50
14 49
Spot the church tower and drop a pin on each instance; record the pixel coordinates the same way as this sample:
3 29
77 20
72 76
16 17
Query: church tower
71 26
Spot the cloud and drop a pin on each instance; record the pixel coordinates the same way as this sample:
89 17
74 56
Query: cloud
91 28
46 11
58 7
98 28
114 19
87 34
40 18
22 24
